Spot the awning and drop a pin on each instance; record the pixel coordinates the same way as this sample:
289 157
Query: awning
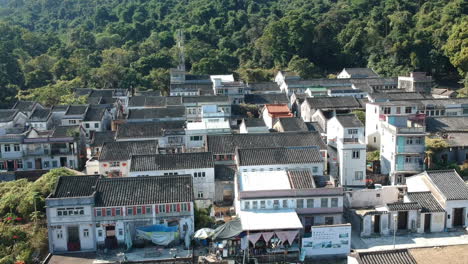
269 220
228 230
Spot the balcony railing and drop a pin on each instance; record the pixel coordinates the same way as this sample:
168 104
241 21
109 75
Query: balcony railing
419 148
410 167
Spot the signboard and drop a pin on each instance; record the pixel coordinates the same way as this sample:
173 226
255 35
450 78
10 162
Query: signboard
328 240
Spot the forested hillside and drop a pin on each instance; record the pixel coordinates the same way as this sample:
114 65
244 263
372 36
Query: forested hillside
55 45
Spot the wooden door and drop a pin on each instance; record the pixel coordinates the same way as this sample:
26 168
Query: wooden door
402 220
458 217
427 223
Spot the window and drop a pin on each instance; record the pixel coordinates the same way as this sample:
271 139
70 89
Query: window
200 194
285 203
276 204
254 205
314 169
59 234
7 148
398 110
120 232
334 202
86 232
19 163
96 125
118 211
408 110
356 154
87 125
139 210
196 138
129 210
108 211
377 195
98 212
408 159
262 204
300 203
28 164
115 164
46 164
419 141
246 205
329 220
72 122
358 175
99 233
386 110
324 202
409 141
148 209
162 208
352 131
54 164
16 147
2 165
310 203
375 139
184 207
173 207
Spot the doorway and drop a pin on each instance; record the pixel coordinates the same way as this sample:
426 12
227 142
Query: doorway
73 238
427 223
458 217
377 224
402 220
63 161
10 165
38 164
111 239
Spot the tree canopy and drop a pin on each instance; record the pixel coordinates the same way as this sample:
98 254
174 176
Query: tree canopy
123 44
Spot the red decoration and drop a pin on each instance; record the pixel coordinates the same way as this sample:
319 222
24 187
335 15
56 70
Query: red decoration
9 218
15 237
19 219
124 164
105 164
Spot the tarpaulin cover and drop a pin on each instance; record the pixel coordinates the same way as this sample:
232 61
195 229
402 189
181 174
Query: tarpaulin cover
228 230
158 234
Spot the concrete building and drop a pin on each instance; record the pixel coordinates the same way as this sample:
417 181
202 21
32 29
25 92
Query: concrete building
449 190
198 164
253 125
346 134
272 112
416 82
85 213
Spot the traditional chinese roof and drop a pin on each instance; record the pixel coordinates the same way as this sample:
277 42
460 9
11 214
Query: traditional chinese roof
123 150
74 186
426 200
156 162
398 256
270 156
449 183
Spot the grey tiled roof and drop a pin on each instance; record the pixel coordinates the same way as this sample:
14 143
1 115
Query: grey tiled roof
74 186
293 124
76 110
301 179
24 106
264 86
190 160
426 200
262 99
123 150
94 114
148 130
147 101
40 115
157 113
349 120
270 156
7 115
226 144
254 122
449 184
348 102
100 138
205 99
399 256
396 96
65 131
144 190
225 172
361 72
447 124
403 206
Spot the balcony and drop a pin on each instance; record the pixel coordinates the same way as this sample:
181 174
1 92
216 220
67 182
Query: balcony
416 148
410 167
62 152
36 152
404 130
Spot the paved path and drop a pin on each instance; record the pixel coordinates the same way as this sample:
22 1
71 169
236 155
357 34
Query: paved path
409 241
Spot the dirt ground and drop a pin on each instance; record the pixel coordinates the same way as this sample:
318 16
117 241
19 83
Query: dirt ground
450 254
